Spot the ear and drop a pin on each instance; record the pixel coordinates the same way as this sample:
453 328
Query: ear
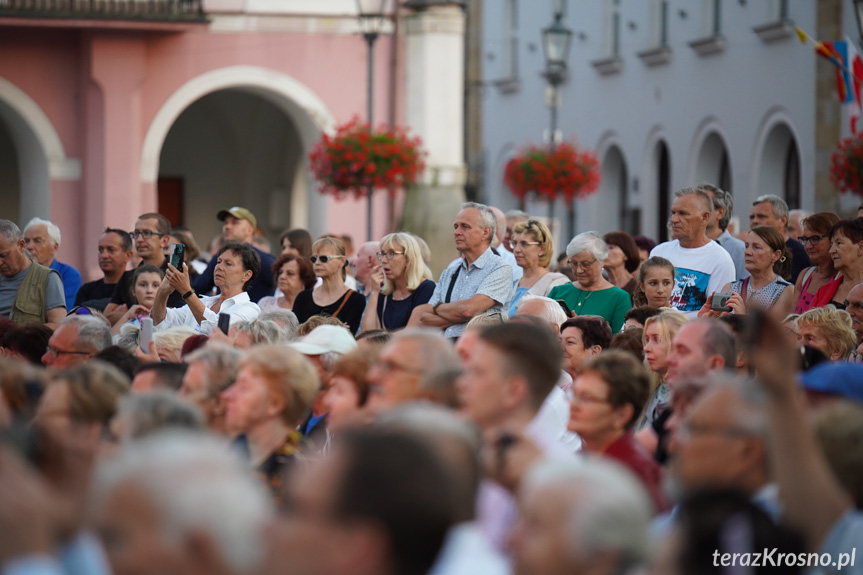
516 391
622 415
595 350
716 362
165 240
247 275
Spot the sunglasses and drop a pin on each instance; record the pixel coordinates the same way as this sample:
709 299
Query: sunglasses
323 259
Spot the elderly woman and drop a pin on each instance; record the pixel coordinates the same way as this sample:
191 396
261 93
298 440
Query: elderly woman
846 249
590 293
816 242
293 275
348 391
582 338
236 266
828 330
398 285
274 391
767 261
332 297
608 397
533 249
623 261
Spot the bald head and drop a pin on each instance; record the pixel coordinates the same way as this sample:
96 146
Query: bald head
544 308
365 262
501 226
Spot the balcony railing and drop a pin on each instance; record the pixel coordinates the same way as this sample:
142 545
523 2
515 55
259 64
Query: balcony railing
160 10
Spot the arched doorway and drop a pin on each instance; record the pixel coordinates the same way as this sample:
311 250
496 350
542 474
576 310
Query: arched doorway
270 108
779 169
713 165
10 180
662 161
614 185
231 147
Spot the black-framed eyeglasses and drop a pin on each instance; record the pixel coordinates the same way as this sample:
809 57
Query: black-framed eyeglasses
323 259
146 234
811 239
54 352
388 255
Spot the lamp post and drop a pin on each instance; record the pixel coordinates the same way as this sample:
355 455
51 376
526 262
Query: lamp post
556 40
372 16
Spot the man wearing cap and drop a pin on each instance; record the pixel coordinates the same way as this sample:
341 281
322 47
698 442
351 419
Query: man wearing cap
240 225
323 347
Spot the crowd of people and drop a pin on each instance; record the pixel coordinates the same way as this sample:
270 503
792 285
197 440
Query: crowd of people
688 407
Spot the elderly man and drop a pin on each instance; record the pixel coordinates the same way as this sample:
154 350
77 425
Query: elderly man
42 299
701 266
479 282
380 503
154 517
397 375
722 443
211 371
717 228
239 226
771 210
700 346
364 263
544 308
581 517
502 248
151 236
77 339
854 307
115 251
795 222
42 240
513 217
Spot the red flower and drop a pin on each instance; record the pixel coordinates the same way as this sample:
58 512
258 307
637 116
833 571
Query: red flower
568 171
846 165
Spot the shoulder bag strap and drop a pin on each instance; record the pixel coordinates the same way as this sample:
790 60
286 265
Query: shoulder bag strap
344 301
452 284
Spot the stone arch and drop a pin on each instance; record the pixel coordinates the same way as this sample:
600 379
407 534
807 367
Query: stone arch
776 158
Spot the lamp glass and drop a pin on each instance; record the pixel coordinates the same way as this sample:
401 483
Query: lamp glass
556 40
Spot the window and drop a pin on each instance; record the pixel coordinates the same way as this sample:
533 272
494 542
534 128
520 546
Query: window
510 35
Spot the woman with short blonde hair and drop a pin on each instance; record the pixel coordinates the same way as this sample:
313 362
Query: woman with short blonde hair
533 249
828 330
398 285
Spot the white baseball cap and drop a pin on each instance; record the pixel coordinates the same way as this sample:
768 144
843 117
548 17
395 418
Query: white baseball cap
326 339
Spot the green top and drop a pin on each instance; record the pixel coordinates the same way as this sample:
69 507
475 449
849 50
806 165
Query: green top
611 303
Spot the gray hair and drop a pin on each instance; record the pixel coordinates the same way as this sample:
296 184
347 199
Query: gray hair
329 359
285 318
263 332
437 350
94 331
608 509
152 411
51 228
698 192
196 484
591 242
517 215
10 231
721 199
222 363
171 340
489 220
551 310
780 207
798 212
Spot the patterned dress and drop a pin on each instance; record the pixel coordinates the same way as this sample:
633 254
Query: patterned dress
762 298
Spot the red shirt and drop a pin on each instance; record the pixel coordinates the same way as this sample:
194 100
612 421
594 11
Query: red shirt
629 453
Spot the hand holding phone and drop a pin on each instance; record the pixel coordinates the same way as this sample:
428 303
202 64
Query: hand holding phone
146 335
224 323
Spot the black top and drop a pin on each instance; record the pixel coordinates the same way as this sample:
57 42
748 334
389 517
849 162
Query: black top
262 286
799 258
95 295
398 312
351 313
123 291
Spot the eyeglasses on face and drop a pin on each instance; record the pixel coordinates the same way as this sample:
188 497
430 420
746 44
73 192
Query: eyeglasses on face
523 244
388 255
146 234
54 352
582 265
323 259
811 239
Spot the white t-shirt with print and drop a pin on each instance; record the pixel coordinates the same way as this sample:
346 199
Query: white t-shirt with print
698 272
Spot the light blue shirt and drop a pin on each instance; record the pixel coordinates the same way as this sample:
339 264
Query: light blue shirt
489 275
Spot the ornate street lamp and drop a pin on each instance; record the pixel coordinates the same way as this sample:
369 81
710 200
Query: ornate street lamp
556 40
373 15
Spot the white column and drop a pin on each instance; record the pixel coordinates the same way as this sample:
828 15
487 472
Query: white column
435 112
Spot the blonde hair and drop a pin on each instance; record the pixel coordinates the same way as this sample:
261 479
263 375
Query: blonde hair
668 323
540 233
415 268
170 342
337 246
289 376
835 325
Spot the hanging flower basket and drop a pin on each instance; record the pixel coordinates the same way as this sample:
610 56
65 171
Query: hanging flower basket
568 172
355 160
846 166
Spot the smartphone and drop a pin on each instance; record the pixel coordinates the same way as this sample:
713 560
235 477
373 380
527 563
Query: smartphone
178 255
146 335
224 323
565 307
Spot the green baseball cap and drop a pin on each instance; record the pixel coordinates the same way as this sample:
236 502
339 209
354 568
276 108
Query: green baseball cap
240 214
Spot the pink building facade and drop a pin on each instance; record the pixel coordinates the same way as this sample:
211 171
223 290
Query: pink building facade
104 118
